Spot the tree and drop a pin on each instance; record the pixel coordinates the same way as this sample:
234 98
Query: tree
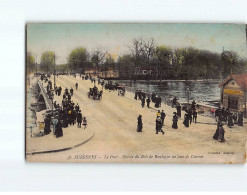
125 64
98 58
231 63
47 61
30 62
109 61
78 59
163 60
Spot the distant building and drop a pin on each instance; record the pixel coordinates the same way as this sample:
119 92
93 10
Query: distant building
144 71
234 89
102 73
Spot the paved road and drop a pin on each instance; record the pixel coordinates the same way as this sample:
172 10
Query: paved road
114 120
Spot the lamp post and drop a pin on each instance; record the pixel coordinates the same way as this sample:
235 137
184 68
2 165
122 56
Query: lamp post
52 97
54 71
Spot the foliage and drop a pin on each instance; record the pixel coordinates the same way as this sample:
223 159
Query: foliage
30 62
78 59
47 61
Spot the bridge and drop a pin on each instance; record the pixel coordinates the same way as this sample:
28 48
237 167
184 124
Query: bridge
43 97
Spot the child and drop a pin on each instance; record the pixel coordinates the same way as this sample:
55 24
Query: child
84 122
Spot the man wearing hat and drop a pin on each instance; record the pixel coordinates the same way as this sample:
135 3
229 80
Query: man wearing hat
159 125
162 116
79 119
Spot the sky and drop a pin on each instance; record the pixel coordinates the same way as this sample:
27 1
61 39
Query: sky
116 38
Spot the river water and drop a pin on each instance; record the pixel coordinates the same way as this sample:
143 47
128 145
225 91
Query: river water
206 92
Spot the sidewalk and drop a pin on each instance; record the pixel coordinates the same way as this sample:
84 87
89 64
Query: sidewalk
72 137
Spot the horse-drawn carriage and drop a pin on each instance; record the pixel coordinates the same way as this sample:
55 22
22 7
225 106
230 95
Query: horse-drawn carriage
121 90
95 93
111 86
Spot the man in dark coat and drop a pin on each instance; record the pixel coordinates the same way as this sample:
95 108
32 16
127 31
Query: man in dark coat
148 102
174 102
136 94
139 123
143 102
179 110
229 120
79 119
240 119
69 97
76 86
162 116
194 116
71 91
159 126
193 105
190 115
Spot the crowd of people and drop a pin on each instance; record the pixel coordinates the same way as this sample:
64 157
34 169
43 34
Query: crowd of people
225 115
147 98
62 115
69 113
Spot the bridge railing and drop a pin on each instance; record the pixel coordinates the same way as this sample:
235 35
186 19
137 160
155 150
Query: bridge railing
48 101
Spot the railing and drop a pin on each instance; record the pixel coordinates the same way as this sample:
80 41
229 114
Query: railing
46 97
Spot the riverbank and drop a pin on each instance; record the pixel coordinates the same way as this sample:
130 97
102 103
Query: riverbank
114 120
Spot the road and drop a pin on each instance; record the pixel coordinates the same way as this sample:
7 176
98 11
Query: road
114 120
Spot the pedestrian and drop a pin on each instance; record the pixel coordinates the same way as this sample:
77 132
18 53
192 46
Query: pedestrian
66 91
159 126
229 120
175 121
84 122
162 116
55 104
148 102
54 123
59 129
193 105
174 101
77 108
47 128
178 110
158 114
79 119
240 119
194 116
69 97
143 102
59 91
71 91
139 123
221 137
186 119
216 134
190 115
136 95
76 86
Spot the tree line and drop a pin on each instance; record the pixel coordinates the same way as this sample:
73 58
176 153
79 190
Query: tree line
165 62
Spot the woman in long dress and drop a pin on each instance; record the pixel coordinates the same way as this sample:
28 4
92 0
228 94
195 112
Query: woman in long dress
59 130
221 137
175 121
186 119
139 123
47 128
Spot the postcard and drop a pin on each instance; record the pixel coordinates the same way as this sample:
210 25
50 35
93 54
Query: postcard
136 93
